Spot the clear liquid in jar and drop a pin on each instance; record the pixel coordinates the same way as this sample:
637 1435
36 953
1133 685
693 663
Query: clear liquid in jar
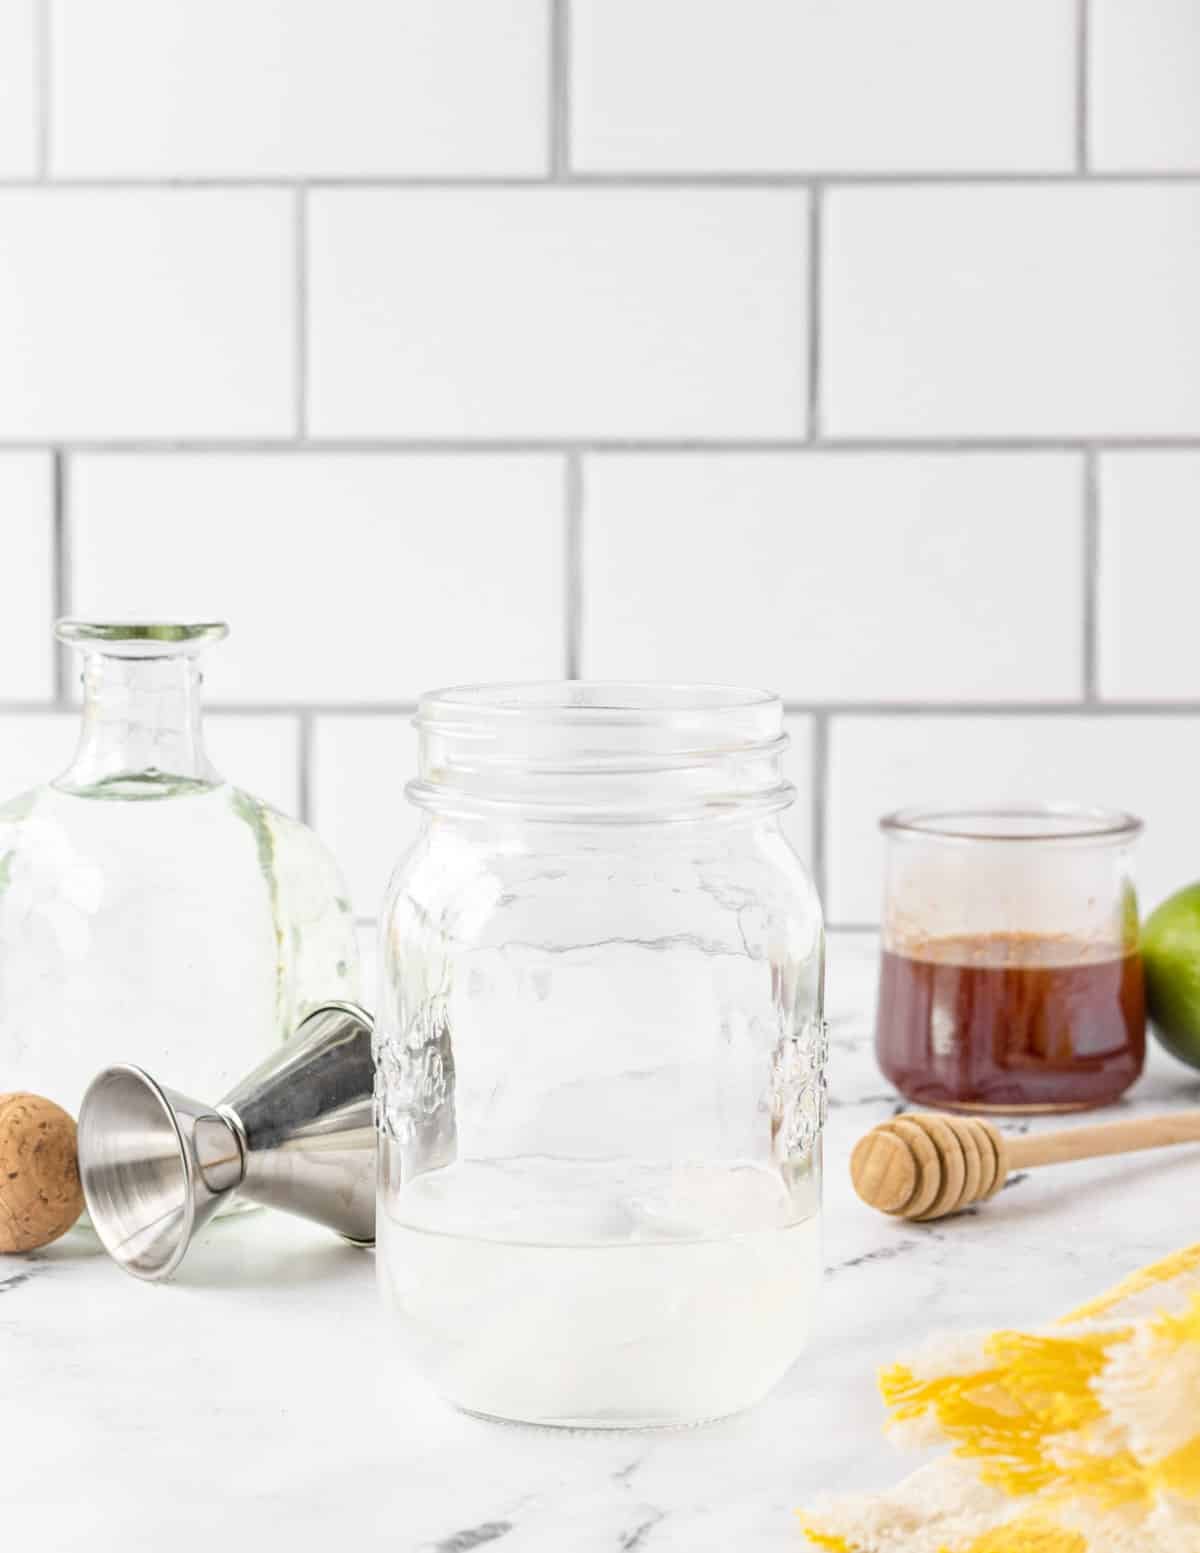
654 1297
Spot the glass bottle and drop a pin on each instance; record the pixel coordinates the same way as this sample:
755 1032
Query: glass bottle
150 912
600 1054
1011 978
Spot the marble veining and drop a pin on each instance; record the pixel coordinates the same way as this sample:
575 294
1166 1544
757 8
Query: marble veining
257 1400
474 1537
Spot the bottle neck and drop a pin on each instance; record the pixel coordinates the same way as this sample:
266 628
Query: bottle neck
141 735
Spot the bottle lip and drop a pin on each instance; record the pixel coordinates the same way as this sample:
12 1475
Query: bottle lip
1013 821
583 750
141 638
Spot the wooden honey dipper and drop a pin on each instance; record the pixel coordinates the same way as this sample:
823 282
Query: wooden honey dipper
925 1164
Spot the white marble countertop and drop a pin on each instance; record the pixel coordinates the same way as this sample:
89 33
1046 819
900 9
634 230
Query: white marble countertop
256 1399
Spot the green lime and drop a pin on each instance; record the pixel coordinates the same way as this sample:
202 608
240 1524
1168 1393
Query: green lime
1171 954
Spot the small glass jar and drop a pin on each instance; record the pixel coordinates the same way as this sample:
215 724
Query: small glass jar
1011 978
600 1057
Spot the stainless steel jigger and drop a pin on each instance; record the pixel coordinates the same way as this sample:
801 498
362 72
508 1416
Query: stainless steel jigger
297 1134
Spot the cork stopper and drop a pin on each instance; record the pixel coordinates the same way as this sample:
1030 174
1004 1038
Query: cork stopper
40 1194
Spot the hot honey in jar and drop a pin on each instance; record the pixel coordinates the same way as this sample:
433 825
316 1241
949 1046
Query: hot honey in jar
1010 976
1011 1022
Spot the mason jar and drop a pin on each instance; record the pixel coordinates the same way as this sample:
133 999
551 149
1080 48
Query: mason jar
600 1054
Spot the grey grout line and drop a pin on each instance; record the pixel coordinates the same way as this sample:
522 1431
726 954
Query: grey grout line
815 271
819 710
1091 577
559 102
43 87
304 769
1082 83
300 304
829 178
1114 709
372 924
310 709
574 517
820 796
483 446
295 710
61 572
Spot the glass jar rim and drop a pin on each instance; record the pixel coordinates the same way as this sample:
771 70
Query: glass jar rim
1013 821
600 750
596 702
141 638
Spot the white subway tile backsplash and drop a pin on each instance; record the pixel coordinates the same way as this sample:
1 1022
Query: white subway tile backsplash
345 577
184 348
360 766
539 313
257 753
838 577
145 313
34 749
18 88
1145 85
1043 311
1149 576
26 583
312 88
1139 763
777 86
